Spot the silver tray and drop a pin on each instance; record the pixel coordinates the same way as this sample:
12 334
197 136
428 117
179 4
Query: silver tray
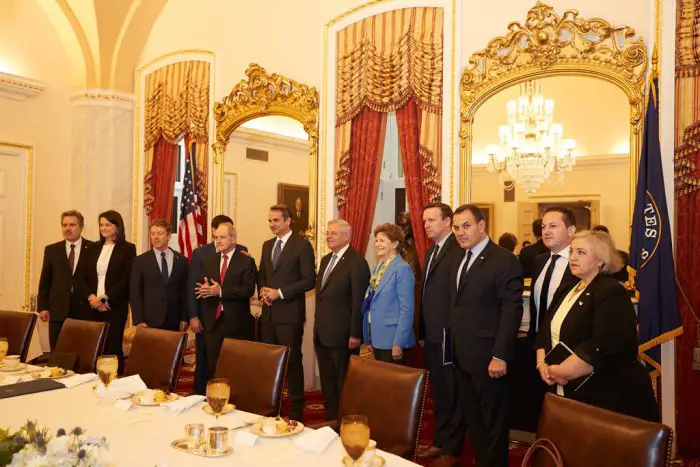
181 445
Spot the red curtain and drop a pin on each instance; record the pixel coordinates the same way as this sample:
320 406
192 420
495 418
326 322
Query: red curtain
163 174
408 118
366 145
688 270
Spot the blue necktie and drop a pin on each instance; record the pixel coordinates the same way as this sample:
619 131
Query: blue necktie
164 267
276 253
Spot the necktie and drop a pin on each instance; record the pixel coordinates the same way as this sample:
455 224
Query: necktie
328 270
163 267
276 253
465 268
544 293
430 265
224 267
71 257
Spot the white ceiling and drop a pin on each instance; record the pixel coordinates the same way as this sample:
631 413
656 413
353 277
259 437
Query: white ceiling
278 125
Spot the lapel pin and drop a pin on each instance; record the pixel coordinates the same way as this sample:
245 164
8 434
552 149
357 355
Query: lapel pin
580 303
588 293
481 258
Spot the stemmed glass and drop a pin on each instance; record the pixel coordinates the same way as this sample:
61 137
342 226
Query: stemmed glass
354 434
3 348
218 393
107 366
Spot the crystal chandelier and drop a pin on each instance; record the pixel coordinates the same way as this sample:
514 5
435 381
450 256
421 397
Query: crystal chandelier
531 146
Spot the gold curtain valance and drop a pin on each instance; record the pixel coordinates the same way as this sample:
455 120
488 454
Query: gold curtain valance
386 59
177 103
687 39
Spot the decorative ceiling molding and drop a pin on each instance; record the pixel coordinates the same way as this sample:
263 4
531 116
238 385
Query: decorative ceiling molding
102 98
19 88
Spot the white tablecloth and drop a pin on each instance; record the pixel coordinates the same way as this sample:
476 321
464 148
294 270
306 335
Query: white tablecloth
142 436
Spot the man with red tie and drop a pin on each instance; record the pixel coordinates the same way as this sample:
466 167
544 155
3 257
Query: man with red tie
227 283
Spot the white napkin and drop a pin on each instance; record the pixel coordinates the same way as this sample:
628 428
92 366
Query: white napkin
180 405
123 404
245 437
316 441
77 380
11 379
122 387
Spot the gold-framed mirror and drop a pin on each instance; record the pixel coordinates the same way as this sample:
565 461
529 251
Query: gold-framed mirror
270 99
547 46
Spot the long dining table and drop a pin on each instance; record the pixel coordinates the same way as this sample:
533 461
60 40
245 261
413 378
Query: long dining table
142 436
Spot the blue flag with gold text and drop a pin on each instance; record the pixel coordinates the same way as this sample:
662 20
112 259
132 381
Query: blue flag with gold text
651 253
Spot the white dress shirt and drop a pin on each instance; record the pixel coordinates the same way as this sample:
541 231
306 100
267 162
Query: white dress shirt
169 259
476 251
77 244
440 244
338 255
102 265
557 275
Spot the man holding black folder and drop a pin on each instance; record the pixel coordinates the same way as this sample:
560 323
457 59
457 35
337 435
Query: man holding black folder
435 332
486 288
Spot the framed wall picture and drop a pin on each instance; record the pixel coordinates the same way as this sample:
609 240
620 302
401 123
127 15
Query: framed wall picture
487 209
296 197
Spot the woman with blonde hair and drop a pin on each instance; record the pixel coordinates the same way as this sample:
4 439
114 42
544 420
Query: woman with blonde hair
595 319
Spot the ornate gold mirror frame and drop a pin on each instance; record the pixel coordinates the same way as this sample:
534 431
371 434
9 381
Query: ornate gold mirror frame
262 94
552 45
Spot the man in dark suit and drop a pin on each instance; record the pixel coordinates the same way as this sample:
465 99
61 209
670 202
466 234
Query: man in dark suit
529 253
434 331
287 272
59 294
486 288
158 285
227 283
550 272
300 218
195 307
342 281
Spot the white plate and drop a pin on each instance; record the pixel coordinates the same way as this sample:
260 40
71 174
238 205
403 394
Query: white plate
256 429
40 375
19 367
227 408
136 399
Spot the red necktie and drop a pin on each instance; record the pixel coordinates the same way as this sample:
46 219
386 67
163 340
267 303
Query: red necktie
224 267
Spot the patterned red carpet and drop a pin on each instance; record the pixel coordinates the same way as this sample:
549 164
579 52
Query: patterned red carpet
314 412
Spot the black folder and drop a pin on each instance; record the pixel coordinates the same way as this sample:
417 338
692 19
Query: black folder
557 355
29 387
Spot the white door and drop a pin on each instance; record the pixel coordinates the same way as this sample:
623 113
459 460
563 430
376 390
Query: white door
527 212
13 228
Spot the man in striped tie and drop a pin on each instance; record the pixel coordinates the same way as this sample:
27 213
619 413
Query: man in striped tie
226 285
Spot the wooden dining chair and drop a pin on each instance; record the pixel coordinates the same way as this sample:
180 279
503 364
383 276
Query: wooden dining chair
590 436
85 340
156 356
256 373
391 396
18 328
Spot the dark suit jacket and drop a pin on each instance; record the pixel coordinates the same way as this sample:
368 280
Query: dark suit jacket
238 287
486 313
601 328
527 257
566 281
57 280
151 298
118 274
339 302
435 299
194 306
295 275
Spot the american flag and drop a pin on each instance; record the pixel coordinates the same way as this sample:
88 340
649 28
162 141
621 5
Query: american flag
190 233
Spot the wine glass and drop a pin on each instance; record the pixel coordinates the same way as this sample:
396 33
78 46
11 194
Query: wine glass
3 348
107 366
218 393
354 434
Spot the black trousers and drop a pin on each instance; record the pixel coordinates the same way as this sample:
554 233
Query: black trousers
116 318
332 366
384 355
450 428
527 389
54 331
485 408
201 367
289 334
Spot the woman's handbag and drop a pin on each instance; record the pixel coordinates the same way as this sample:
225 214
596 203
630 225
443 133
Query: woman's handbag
546 445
